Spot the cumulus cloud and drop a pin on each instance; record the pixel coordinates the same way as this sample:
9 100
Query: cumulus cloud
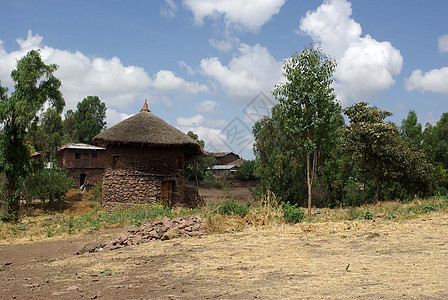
167 81
214 139
224 45
242 14
109 79
182 64
365 65
207 106
168 9
113 117
253 71
443 43
432 81
192 121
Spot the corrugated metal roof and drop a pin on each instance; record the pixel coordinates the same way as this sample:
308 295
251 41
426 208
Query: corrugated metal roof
224 167
80 146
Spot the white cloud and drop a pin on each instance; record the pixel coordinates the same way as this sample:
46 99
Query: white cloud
168 9
242 14
225 45
186 67
365 66
246 75
213 138
167 81
208 106
432 81
113 117
443 43
193 121
115 84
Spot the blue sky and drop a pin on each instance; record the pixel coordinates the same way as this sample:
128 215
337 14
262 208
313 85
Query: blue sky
209 66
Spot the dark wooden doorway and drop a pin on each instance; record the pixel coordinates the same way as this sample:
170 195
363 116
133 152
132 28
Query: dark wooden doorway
82 179
166 192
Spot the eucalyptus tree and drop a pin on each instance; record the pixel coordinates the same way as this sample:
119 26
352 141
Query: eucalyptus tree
311 112
34 86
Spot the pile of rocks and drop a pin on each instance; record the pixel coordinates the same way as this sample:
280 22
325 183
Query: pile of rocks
158 230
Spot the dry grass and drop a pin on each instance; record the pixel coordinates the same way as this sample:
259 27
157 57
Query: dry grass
335 260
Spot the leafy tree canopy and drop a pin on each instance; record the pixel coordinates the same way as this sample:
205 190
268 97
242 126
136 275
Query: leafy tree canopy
311 113
34 86
202 163
89 119
375 146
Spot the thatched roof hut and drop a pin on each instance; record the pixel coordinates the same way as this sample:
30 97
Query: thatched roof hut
144 162
149 130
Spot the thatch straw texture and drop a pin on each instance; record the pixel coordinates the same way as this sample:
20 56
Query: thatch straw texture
149 130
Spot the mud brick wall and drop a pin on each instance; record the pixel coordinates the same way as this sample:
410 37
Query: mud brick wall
67 158
92 167
92 176
134 174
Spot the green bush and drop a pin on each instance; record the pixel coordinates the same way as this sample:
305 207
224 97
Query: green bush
232 207
96 193
246 171
427 208
45 184
292 213
366 215
354 195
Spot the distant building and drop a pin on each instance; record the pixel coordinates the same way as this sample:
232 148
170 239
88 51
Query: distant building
144 162
225 158
226 163
84 163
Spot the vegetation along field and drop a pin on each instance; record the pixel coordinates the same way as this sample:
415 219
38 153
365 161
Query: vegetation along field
329 208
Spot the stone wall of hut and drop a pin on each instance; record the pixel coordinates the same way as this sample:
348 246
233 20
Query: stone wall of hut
134 176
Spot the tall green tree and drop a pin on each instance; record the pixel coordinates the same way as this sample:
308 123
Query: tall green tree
195 169
69 123
375 147
89 119
48 133
280 164
34 86
309 106
411 130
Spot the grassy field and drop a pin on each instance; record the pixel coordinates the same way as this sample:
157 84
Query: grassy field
384 251
78 215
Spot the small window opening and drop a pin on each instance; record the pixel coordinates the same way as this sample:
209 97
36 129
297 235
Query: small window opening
77 155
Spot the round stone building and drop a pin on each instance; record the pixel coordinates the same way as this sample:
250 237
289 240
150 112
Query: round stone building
144 162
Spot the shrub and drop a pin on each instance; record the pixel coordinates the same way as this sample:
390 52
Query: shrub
366 215
232 207
96 193
292 213
246 171
49 184
354 194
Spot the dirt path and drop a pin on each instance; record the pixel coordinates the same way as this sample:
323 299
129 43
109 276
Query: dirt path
334 260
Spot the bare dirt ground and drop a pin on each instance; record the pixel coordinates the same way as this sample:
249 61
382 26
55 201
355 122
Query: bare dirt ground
214 195
377 259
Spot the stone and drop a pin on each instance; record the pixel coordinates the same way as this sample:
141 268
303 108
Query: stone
171 234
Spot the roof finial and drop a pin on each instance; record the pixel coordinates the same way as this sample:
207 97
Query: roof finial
145 106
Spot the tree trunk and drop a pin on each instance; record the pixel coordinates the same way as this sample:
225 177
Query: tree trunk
309 183
378 190
13 202
195 174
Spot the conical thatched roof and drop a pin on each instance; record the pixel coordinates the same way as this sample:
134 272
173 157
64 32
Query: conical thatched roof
147 129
